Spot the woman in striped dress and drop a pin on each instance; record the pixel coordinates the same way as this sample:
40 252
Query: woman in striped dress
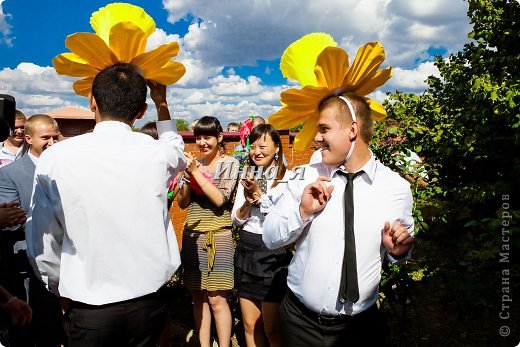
207 245
260 273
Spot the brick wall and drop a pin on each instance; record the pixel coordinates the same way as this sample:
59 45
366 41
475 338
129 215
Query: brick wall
294 158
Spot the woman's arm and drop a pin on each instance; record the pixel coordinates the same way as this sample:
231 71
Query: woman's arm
184 194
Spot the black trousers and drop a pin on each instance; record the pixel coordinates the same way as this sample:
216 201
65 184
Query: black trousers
46 326
137 322
301 328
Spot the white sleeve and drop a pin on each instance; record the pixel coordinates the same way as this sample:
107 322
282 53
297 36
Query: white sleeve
283 224
172 144
239 201
406 201
45 230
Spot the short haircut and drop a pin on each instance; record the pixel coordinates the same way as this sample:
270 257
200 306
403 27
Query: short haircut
208 126
268 129
39 119
150 129
258 120
120 92
232 124
19 115
361 108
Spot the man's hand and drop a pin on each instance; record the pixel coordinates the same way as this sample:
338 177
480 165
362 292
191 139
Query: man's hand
158 95
157 92
21 312
397 239
65 304
11 214
314 198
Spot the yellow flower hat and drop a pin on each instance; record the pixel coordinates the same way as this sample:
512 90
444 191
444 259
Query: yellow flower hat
121 34
323 69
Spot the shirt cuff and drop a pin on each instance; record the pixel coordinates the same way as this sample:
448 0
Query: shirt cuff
400 259
239 222
166 125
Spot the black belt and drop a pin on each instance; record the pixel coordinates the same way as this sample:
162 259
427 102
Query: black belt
324 319
161 292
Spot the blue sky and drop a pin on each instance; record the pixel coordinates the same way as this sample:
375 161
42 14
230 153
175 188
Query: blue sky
231 48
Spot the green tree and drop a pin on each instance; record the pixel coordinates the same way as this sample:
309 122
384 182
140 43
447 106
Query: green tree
466 126
182 124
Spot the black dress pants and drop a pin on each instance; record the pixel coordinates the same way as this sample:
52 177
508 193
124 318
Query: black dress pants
301 327
137 322
46 327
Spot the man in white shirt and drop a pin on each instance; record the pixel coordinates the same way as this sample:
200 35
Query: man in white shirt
16 184
11 149
332 292
108 246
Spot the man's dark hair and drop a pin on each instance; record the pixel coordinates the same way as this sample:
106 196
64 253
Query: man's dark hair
119 91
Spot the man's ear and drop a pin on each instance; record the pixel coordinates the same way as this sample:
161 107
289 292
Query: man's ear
142 112
92 103
28 139
354 130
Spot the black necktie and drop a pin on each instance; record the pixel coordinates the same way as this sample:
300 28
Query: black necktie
348 287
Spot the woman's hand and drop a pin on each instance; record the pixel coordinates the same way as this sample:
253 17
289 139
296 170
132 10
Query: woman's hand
191 163
252 191
11 214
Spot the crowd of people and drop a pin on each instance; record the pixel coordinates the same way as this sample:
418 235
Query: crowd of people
86 222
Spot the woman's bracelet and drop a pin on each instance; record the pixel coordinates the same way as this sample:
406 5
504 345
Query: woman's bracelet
9 301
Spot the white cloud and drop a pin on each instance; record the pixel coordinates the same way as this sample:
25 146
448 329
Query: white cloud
45 100
240 33
195 98
5 28
235 85
413 80
33 79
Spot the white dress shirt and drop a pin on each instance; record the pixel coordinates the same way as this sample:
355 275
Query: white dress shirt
6 157
254 223
315 271
100 223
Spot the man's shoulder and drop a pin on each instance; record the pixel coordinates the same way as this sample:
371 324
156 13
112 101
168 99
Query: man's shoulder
390 178
17 166
68 144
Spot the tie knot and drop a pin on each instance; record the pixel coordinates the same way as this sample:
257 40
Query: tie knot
350 176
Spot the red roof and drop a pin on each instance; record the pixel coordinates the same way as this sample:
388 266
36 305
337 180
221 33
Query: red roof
72 113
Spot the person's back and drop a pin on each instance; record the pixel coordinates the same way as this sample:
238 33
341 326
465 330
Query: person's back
96 175
100 224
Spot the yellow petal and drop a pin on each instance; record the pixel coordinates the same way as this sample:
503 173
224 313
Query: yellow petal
368 59
304 139
106 17
127 41
377 111
92 49
299 105
299 58
376 81
84 86
286 118
72 65
331 67
170 73
156 58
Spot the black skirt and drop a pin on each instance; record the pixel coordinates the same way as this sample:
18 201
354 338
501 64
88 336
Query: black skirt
260 273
